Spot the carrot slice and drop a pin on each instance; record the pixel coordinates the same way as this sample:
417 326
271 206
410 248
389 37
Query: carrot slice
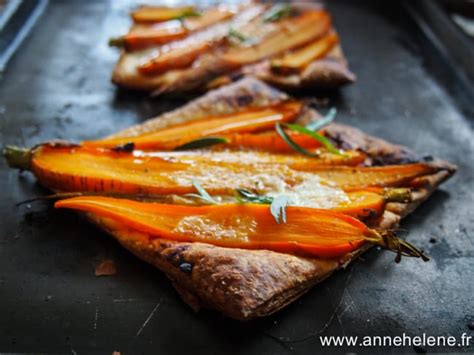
292 33
90 169
293 161
299 59
250 120
149 14
271 141
208 18
378 176
175 58
144 36
362 205
309 231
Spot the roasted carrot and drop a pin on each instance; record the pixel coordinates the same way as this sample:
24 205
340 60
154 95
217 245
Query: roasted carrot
378 176
299 59
174 58
362 205
250 120
143 36
271 141
208 18
223 157
149 14
311 232
292 33
95 169
146 37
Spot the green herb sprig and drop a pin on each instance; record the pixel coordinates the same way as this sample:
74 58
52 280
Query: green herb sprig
190 13
277 12
309 130
323 140
249 196
202 194
202 143
291 143
233 33
277 204
327 119
278 208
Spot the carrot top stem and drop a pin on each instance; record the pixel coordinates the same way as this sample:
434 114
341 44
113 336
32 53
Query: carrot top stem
117 42
401 194
17 157
389 241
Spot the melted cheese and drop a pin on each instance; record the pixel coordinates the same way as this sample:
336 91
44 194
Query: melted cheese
232 227
311 193
304 189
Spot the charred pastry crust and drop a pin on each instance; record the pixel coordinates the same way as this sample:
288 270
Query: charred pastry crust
326 73
247 284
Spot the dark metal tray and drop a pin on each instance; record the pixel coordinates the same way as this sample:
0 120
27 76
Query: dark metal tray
57 86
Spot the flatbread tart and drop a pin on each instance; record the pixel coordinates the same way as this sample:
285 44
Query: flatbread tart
176 50
228 184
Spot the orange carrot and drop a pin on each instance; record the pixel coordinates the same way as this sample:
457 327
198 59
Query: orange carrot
144 36
362 205
92 169
250 120
152 14
271 141
292 33
308 231
175 58
208 18
192 18
377 176
299 59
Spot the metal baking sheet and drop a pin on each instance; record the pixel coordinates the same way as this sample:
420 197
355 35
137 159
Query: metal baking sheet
58 86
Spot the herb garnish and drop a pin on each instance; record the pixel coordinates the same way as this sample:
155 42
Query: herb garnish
278 208
277 12
190 13
202 143
277 204
203 194
252 197
295 146
318 124
309 130
233 33
323 140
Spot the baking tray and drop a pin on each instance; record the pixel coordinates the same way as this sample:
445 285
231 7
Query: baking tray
57 86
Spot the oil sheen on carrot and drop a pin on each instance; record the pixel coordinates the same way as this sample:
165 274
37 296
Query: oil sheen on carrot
309 231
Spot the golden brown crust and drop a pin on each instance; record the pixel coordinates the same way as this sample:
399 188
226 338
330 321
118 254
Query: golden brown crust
126 75
326 73
247 92
245 284
240 283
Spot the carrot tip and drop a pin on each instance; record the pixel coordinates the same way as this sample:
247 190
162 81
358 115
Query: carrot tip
18 158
